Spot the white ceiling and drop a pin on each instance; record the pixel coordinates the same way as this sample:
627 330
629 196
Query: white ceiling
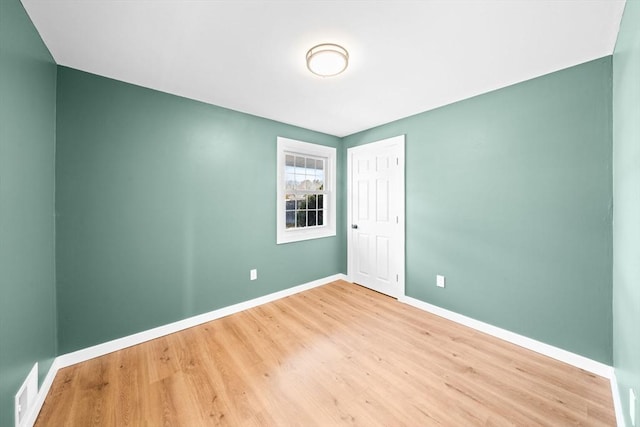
406 56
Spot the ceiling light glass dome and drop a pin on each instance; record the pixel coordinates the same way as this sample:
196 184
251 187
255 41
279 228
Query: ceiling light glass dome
327 59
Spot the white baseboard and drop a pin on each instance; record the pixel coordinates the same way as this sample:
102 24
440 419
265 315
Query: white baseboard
520 340
617 403
88 353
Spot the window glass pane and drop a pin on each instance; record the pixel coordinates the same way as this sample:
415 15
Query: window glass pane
301 217
288 160
314 185
320 218
301 203
311 165
320 174
320 198
311 201
291 204
290 181
320 183
311 221
291 219
300 170
300 165
306 184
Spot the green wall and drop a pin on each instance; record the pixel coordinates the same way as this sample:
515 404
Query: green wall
163 206
27 146
509 195
626 199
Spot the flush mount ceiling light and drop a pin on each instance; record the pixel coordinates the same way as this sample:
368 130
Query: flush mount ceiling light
327 59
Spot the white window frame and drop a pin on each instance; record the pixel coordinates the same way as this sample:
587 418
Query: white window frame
292 146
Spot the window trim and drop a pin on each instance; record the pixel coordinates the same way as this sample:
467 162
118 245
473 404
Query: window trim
284 235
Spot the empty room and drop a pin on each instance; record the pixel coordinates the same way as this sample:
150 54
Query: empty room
319 213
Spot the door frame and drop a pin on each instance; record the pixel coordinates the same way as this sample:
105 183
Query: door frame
396 140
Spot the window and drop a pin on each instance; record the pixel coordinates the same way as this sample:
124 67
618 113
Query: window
306 191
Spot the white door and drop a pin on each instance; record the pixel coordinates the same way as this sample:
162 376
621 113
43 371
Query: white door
375 212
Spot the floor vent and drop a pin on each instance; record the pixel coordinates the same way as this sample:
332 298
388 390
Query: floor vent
26 396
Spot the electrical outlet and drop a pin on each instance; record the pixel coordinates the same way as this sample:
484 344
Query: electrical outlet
632 406
26 396
253 274
440 281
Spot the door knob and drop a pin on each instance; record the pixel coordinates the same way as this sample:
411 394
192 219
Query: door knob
354 226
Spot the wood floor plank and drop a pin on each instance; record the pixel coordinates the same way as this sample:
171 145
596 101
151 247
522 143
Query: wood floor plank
339 354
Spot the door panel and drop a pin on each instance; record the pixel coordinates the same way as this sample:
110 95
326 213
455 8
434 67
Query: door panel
363 200
363 255
382 258
382 200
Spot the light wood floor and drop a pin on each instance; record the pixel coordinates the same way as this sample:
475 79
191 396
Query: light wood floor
339 354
